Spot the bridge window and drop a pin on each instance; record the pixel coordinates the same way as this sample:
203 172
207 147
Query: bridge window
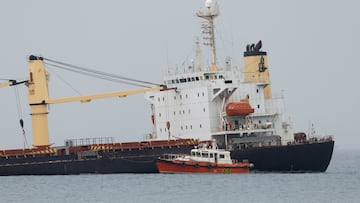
222 156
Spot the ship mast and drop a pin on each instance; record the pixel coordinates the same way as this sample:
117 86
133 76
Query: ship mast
209 14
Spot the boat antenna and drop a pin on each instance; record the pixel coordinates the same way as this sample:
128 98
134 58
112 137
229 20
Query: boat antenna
209 14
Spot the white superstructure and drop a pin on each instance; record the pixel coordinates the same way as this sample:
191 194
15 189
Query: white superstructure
196 106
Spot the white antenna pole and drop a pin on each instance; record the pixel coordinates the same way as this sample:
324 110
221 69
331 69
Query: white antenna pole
209 15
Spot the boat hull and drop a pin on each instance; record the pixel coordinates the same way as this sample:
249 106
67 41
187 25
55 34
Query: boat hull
169 166
307 157
314 157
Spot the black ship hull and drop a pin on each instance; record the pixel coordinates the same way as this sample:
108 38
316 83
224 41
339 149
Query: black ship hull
306 157
101 162
313 157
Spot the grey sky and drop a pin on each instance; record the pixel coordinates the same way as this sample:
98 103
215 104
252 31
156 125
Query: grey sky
312 48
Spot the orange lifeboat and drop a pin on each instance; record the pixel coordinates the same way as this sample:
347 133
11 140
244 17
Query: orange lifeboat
241 108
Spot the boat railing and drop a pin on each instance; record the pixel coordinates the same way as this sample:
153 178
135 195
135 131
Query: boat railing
89 141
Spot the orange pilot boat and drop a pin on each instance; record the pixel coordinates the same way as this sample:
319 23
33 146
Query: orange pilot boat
202 160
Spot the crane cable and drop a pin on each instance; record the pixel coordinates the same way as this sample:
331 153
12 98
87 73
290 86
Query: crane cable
18 104
98 74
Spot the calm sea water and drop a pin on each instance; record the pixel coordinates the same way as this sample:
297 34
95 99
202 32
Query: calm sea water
341 183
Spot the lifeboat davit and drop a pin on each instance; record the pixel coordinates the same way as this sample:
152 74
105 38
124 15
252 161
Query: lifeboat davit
241 108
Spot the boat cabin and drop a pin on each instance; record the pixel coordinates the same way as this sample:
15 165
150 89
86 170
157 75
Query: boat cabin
210 155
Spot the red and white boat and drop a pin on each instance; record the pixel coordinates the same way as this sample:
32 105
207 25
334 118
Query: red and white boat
202 160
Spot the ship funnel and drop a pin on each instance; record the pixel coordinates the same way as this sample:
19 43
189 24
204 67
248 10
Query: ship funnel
256 67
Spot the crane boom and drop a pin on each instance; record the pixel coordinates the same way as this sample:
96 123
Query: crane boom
39 99
88 98
11 83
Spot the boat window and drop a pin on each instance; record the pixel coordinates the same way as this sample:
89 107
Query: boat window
177 80
206 77
182 80
192 153
205 155
174 97
222 156
192 79
188 79
173 81
215 77
258 106
221 76
174 113
211 155
198 154
197 78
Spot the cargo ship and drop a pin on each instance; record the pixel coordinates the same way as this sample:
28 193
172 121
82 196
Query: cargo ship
236 108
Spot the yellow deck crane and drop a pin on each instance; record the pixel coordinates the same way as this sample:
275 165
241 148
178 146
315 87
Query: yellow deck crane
39 99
